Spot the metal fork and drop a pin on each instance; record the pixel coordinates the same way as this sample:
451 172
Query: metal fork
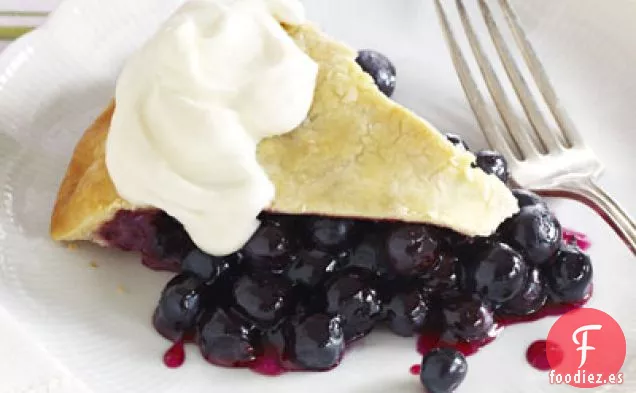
553 161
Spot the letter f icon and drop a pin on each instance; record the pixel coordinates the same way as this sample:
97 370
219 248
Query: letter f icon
584 348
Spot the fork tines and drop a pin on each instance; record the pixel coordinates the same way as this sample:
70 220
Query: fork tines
512 140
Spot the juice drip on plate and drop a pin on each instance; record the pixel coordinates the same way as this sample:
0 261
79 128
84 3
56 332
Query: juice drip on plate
578 238
415 369
537 354
268 364
175 355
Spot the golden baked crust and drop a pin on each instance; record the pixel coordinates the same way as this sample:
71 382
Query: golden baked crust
358 154
87 197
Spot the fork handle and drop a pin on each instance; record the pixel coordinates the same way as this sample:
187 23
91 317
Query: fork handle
589 193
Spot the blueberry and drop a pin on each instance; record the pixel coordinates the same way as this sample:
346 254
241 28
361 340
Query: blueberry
498 274
569 277
457 141
380 68
443 275
227 340
312 266
314 342
178 306
370 254
412 249
170 244
131 230
527 198
467 318
330 233
351 295
205 266
535 232
493 163
530 299
443 370
406 312
263 299
270 248
285 221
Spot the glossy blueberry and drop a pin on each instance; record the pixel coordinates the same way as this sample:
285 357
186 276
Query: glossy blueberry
330 233
530 299
443 275
569 277
314 342
270 248
412 249
497 274
380 68
406 312
467 318
535 232
206 266
527 198
227 340
285 221
443 370
312 266
178 307
352 296
493 163
169 245
370 254
457 140
263 299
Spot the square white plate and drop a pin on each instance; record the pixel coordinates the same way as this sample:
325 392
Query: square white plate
96 321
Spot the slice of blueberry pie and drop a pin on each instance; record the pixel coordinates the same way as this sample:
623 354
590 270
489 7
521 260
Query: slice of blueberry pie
264 162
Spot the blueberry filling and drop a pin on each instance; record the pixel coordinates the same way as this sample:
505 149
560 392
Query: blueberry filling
179 306
493 163
457 140
467 318
535 232
530 299
306 286
527 198
227 340
314 342
497 275
412 249
352 296
380 68
262 298
406 312
569 275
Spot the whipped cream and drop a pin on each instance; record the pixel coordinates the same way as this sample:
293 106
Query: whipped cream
191 107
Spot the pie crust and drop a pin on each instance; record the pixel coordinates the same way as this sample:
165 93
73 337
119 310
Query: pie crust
358 154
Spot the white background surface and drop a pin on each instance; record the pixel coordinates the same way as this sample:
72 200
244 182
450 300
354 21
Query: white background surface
24 367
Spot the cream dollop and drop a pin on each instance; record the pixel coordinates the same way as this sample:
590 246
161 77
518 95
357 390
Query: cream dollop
193 103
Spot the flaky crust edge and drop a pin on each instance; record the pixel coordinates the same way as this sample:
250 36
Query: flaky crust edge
87 197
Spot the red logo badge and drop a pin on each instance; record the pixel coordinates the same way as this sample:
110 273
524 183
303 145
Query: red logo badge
591 349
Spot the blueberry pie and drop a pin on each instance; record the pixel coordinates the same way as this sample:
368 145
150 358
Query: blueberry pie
266 165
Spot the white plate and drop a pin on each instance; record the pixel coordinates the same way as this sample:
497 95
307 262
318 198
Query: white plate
56 80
